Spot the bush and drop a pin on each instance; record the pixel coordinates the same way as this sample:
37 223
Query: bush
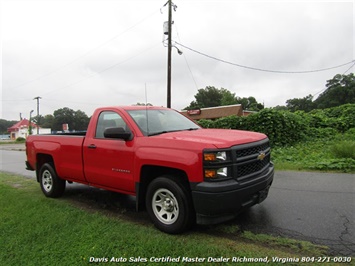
20 139
344 149
282 127
205 123
349 135
321 133
287 128
340 118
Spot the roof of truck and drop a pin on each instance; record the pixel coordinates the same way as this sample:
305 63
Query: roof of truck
134 107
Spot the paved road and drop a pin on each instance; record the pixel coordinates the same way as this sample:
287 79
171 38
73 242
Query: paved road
316 207
12 159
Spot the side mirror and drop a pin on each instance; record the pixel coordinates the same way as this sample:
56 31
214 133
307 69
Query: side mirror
117 133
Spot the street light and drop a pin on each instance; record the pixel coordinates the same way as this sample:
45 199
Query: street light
30 124
37 98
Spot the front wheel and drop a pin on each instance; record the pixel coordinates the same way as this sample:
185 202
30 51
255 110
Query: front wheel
52 186
169 205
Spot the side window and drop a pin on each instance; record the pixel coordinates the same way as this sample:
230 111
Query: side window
108 119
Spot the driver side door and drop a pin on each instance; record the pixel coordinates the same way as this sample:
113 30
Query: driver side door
108 162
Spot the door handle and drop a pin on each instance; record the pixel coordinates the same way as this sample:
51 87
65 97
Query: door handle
92 146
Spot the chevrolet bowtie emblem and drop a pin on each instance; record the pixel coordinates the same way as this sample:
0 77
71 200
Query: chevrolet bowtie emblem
261 156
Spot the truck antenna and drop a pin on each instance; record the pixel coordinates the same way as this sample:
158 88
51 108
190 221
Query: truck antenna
146 107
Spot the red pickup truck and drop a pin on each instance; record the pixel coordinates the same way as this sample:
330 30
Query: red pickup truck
181 173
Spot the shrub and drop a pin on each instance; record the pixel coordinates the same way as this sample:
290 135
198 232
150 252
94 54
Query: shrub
350 134
287 128
344 149
229 122
282 127
206 123
340 118
321 133
20 139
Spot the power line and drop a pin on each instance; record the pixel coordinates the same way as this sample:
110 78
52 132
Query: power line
266 70
187 63
349 68
342 74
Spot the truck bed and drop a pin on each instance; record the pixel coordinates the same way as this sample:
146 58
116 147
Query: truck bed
77 133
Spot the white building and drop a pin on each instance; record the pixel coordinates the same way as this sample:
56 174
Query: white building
20 129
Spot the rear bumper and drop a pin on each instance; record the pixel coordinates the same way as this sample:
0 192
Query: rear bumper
216 202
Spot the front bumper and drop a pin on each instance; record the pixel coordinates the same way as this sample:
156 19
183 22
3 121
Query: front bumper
216 202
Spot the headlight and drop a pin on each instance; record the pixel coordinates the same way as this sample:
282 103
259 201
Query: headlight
215 156
216 165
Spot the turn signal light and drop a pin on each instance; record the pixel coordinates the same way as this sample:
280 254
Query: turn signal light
210 173
218 156
210 156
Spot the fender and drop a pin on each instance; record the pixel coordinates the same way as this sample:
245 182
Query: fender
188 161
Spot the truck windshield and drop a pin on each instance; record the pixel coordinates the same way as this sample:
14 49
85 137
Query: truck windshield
154 122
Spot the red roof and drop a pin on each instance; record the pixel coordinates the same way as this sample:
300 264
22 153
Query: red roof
22 124
215 112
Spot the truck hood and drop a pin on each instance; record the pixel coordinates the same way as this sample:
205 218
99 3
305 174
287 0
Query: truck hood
220 138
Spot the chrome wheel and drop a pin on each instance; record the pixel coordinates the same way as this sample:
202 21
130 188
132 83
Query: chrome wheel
47 181
52 186
169 204
165 206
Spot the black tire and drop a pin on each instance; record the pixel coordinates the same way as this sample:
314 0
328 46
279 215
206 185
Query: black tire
169 205
52 186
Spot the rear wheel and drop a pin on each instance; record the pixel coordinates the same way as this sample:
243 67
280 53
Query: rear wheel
169 205
52 186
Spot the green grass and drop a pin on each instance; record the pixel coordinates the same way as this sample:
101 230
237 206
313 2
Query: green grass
40 231
334 154
344 149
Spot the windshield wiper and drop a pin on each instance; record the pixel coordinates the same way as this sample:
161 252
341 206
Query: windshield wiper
165 131
158 133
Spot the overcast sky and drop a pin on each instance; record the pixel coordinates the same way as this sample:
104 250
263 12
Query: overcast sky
86 54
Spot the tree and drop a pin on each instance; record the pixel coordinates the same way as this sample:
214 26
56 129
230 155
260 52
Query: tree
5 124
300 104
81 120
249 103
340 90
63 116
228 98
47 121
280 108
211 97
208 97
76 120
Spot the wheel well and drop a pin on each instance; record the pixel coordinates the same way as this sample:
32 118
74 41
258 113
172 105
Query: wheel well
41 160
149 173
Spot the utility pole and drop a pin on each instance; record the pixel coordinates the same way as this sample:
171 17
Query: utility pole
168 104
37 98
